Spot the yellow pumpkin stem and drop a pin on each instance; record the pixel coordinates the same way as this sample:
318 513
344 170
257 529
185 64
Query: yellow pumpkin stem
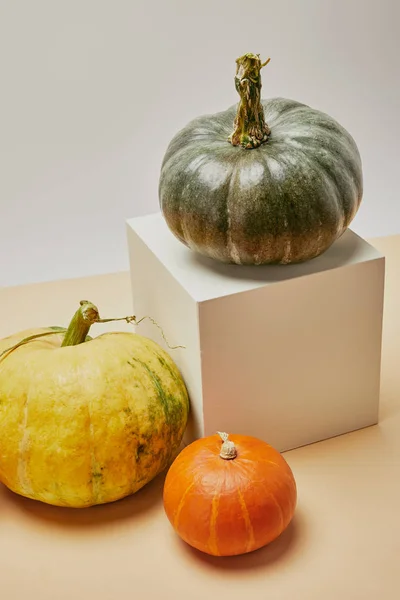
228 448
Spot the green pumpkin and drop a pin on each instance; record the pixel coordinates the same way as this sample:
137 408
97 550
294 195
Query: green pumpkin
266 181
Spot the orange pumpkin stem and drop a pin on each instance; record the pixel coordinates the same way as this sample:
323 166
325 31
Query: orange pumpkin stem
228 448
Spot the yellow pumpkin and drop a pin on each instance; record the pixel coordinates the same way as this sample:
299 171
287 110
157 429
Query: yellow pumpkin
86 421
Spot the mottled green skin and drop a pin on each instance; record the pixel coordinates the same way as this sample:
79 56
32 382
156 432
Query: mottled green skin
286 201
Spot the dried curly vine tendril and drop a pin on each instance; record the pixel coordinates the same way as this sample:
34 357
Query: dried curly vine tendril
28 339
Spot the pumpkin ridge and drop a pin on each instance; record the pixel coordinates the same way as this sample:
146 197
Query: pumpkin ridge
335 194
231 247
329 126
284 105
171 418
287 248
246 517
332 176
181 505
189 137
212 540
280 511
174 372
275 120
183 150
200 157
269 493
181 207
93 480
22 468
157 384
260 460
289 215
339 158
288 474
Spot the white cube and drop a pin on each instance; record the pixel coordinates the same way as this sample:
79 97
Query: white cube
287 353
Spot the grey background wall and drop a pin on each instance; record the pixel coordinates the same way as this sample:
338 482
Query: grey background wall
92 91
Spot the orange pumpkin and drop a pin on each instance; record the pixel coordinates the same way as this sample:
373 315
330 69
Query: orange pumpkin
229 496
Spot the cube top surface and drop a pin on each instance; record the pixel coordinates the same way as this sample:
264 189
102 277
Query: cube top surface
206 279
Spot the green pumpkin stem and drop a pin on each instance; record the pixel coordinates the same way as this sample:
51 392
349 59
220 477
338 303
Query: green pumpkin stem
86 315
78 329
250 128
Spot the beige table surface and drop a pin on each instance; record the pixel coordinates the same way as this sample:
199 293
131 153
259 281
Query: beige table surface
344 541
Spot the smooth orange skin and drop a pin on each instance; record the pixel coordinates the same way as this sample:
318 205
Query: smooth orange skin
229 507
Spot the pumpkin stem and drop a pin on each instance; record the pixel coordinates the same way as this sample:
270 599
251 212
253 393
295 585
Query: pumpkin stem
85 316
88 314
228 448
250 128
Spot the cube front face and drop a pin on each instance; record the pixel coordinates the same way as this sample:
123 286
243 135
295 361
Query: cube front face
298 361
293 361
